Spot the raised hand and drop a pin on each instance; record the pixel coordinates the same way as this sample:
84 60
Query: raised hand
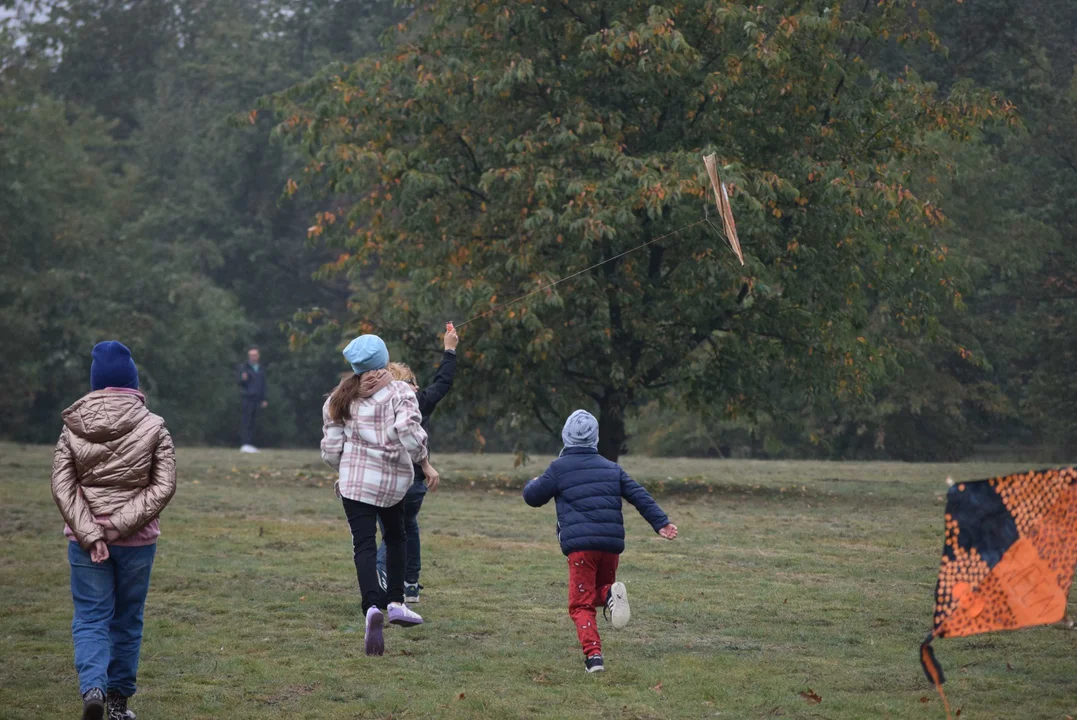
451 338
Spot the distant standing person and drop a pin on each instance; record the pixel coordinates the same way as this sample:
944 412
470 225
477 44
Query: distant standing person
428 399
252 383
113 473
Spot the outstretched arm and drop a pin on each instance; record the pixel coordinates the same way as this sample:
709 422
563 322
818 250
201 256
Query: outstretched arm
408 425
434 393
541 490
634 493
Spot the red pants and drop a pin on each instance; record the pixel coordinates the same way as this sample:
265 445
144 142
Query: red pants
590 574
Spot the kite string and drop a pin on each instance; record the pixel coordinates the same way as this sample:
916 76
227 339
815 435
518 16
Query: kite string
581 272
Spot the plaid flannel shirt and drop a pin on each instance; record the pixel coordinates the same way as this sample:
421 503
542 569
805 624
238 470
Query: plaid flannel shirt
376 448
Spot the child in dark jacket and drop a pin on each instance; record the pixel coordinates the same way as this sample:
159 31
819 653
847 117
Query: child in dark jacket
428 398
590 527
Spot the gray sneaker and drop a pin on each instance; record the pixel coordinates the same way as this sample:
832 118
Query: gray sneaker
411 592
117 707
93 704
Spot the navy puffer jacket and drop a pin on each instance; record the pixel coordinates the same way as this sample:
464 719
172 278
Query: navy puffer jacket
589 488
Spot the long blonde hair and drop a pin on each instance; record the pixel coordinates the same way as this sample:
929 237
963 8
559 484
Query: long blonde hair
344 394
402 373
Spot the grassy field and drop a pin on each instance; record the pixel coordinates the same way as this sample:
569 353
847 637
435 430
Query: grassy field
787 578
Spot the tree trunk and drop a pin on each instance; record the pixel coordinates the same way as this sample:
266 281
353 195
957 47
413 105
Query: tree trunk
611 425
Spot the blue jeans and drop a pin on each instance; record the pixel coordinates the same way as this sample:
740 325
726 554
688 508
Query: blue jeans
107 627
413 502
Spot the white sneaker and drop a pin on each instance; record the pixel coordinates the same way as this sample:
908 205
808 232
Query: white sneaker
401 614
248 449
617 605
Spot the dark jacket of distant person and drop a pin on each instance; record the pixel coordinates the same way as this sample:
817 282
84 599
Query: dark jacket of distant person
254 387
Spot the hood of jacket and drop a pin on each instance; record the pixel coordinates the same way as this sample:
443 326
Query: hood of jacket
106 415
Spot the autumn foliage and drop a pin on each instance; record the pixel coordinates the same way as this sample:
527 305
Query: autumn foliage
496 146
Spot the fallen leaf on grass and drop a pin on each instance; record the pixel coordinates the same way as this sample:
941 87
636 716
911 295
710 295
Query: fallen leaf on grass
811 697
925 699
1009 667
303 598
658 688
460 696
406 653
958 713
540 678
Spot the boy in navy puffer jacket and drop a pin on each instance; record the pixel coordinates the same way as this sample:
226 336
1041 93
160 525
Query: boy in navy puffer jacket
590 527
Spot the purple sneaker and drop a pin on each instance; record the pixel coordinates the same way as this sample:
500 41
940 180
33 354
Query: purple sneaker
375 642
401 614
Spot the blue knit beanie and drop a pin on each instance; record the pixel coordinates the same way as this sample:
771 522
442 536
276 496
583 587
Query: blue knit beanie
366 353
581 430
112 366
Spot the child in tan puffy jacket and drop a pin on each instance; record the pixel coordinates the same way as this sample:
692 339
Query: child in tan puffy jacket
113 473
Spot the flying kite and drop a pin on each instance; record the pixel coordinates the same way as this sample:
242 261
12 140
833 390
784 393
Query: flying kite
721 199
1008 561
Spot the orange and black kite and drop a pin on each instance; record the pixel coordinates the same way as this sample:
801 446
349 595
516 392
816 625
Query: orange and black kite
1008 562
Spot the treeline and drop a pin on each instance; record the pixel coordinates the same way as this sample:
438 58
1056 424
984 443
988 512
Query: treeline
143 197
139 200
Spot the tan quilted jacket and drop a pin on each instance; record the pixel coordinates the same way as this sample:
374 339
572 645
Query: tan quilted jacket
114 458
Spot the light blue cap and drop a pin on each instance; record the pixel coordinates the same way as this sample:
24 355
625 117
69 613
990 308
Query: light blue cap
366 353
581 430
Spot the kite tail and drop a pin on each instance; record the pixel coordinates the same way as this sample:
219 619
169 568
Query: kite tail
933 670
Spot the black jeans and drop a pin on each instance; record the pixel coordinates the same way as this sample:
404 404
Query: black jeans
363 520
246 425
413 503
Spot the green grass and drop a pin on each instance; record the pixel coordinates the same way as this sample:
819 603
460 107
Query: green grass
788 576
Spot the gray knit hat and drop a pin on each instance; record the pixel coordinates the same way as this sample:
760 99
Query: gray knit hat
581 430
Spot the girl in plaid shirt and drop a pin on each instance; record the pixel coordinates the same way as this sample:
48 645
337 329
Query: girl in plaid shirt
371 434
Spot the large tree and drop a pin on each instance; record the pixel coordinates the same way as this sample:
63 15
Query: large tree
499 145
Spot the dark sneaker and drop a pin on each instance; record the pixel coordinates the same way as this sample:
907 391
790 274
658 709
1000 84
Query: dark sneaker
411 592
400 614
93 705
617 605
375 640
117 707
594 664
